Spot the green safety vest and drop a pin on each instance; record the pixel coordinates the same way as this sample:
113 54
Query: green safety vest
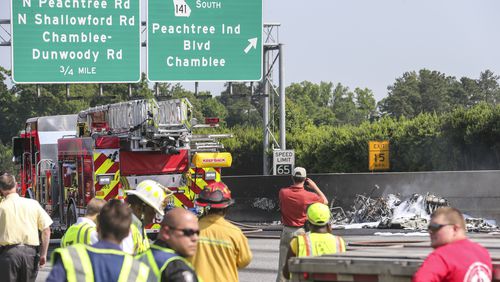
76 262
140 239
317 244
77 234
149 258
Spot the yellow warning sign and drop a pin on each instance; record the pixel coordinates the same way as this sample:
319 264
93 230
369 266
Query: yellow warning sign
378 155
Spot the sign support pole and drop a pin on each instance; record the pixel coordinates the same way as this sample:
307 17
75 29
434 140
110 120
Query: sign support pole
282 100
265 118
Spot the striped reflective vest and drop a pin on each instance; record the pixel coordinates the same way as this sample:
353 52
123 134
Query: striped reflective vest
78 234
158 258
140 239
317 244
78 266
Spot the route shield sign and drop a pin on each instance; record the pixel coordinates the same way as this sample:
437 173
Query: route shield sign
201 40
283 162
70 41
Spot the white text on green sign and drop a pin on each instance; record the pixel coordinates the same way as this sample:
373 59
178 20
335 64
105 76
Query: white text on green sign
75 41
204 40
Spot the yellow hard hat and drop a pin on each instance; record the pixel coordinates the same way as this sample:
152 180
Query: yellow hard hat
318 214
152 194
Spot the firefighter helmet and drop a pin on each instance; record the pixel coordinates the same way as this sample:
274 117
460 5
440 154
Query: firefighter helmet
215 195
318 214
151 193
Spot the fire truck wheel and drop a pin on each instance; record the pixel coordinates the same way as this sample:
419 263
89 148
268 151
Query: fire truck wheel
70 215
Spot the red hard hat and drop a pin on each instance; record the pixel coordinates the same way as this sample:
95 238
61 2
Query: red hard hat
215 195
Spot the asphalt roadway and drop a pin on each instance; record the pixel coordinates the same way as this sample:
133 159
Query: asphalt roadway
263 267
265 249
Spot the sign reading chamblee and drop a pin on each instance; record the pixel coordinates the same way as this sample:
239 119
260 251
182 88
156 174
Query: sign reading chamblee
200 40
283 162
70 41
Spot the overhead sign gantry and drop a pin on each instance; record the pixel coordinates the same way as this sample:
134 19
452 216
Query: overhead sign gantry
64 41
199 40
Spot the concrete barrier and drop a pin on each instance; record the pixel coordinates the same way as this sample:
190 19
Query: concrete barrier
476 193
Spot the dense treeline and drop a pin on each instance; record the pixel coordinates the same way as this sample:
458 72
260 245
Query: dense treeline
433 121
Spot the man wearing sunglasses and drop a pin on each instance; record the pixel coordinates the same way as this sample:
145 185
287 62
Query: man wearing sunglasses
177 241
455 257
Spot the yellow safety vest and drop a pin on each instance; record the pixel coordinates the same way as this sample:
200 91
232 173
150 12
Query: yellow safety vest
77 234
140 239
317 244
157 253
78 267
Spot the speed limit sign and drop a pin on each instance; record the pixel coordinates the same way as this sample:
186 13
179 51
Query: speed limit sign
283 162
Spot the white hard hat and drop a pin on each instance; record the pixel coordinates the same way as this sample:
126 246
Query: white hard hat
152 193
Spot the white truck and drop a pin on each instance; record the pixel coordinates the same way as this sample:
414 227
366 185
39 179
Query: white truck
394 260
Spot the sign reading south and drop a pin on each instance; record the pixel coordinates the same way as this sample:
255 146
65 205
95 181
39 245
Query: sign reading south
70 41
199 40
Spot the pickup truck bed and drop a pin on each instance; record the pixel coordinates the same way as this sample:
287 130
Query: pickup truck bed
384 259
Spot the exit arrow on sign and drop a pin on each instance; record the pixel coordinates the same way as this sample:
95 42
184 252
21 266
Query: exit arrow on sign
252 44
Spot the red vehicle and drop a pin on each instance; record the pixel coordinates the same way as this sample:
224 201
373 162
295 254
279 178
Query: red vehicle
66 160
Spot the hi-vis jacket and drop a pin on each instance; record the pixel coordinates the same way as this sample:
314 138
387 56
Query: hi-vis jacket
317 244
79 233
164 262
85 263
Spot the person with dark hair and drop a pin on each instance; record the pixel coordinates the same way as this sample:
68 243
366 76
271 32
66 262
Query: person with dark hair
146 200
293 203
177 241
222 247
84 230
318 241
103 261
20 221
455 257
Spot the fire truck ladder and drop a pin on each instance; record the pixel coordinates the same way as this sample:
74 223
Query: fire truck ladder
207 142
145 120
165 124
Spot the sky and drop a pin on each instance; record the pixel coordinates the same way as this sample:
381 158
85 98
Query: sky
370 43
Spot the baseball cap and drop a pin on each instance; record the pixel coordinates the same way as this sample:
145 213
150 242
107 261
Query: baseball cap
299 172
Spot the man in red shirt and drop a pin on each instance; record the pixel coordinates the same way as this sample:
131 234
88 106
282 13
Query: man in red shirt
294 201
455 257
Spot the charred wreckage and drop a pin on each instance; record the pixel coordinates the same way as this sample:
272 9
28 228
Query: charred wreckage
412 213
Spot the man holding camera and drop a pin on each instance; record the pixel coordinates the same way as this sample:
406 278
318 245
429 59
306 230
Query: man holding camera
294 201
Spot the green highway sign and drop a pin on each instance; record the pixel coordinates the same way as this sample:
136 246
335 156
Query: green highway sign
75 41
202 40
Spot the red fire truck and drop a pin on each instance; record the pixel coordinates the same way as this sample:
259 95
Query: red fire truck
68 159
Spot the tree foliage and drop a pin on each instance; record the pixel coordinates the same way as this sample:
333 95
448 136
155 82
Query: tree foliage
433 121
434 92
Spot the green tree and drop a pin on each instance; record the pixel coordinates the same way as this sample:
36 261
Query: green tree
490 90
343 105
365 104
314 100
6 163
239 105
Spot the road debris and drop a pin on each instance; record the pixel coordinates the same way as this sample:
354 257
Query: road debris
390 212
